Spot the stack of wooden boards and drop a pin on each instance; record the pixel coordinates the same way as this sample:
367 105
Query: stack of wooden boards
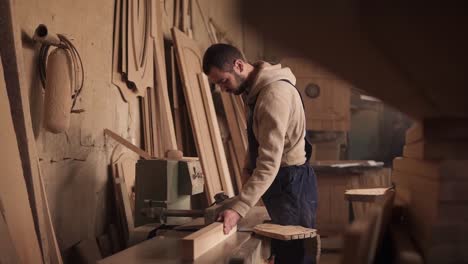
431 182
333 179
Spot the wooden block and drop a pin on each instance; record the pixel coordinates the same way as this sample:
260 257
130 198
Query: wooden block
441 190
198 243
284 232
436 150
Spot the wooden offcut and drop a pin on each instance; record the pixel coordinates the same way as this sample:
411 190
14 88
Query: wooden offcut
189 59
284 232
198 243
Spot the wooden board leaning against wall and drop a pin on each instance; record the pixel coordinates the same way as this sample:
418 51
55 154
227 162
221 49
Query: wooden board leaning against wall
12 61
215 167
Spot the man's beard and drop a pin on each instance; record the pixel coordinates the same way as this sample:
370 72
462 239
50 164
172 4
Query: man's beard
242 84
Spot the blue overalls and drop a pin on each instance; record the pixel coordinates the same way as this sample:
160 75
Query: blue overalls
290 200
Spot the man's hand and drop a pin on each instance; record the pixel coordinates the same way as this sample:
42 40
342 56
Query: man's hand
229 218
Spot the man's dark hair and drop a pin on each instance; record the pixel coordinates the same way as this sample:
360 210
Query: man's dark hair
221 56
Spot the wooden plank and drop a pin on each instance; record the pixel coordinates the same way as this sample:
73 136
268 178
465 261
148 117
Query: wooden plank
436 150
198 243
140 62
175 98
185 16
127 144
282 232
235 166
147 131
189 60
163 249
442 190
448 169
55 255
205 23
11 52
215 135
438 130
117 58
365 195
168 139
177 14
17 224
126 207
239 146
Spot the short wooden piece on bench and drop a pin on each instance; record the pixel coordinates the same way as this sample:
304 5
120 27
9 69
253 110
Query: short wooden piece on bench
282 232
198 243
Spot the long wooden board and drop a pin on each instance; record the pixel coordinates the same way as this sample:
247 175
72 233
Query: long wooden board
15 213
11 52
198 243
167 140
189 59
215 134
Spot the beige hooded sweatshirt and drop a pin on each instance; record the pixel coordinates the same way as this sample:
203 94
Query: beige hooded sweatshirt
279 127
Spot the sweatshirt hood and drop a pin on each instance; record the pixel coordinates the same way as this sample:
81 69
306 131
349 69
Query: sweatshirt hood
266 75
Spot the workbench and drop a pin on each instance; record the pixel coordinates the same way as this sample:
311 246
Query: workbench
165 247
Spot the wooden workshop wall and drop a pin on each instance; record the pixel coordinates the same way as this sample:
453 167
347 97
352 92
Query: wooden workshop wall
75 163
